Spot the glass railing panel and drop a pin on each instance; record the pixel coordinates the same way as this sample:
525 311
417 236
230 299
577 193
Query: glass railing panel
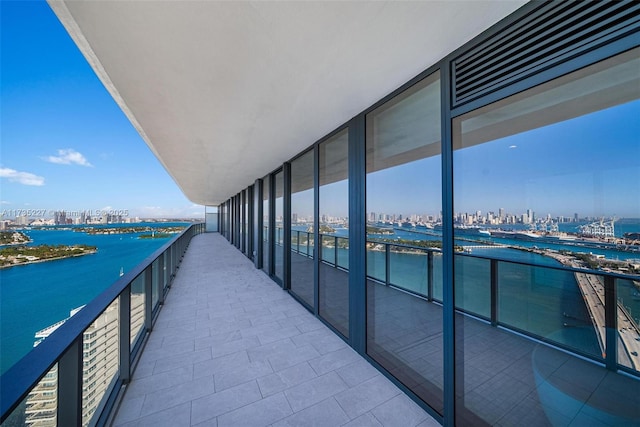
628 317
100 357
309 245
376 262
155 279
137 308
40 407
295 241
328 249
408 269
473 285
560 306
437 276
165 269
343 252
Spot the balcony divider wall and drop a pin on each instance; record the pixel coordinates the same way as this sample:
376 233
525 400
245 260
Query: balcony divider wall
442 319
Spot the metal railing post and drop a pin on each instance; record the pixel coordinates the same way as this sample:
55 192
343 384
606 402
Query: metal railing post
335 251
494 292
387 264
70 385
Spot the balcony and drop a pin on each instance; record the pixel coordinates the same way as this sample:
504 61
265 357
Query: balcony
510 367
230 345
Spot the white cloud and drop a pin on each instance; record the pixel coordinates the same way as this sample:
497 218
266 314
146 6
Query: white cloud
5 202
24 178
68 156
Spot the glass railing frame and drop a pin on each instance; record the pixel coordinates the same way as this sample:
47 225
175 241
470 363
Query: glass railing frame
65 345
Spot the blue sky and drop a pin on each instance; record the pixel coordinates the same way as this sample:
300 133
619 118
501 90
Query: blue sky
65 144
589 165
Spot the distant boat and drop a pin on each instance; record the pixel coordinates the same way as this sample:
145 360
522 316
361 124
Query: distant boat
121 272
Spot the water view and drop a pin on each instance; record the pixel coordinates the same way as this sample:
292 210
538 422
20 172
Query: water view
38 295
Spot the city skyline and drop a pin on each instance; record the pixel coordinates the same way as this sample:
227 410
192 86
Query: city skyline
66 145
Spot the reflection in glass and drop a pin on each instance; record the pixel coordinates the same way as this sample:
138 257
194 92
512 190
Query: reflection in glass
278 247
266 249
404 330
473 285
547 177
245 222
302 220
137 309
333 282
100 359
242 197
40 407
628 317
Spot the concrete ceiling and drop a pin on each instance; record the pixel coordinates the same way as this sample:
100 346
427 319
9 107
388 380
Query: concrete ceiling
224 92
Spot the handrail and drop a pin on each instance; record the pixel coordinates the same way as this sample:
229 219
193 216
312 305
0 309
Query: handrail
23 376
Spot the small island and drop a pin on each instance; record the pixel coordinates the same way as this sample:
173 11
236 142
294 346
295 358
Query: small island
154 236
129 230
23 255
407 246
13 238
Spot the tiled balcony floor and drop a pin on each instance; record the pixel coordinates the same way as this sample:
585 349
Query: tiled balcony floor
230 348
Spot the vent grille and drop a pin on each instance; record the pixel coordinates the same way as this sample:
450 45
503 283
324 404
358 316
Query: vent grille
551 33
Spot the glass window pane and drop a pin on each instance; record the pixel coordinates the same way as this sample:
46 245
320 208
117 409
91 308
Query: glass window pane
278 246
266 249
404 199
628 317
302 220
333 282
548 179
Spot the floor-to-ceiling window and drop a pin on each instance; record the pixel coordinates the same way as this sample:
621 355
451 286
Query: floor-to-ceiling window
404 241
546 179
278 244
302 223
333 272
266 249
242 225
245 221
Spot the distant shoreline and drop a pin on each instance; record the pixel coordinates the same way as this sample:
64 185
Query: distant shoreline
37 261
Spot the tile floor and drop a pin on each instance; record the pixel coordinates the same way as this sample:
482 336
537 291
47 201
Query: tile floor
230 348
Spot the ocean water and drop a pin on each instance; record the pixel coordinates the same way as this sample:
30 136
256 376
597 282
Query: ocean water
35 296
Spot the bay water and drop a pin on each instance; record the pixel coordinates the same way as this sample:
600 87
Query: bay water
38 295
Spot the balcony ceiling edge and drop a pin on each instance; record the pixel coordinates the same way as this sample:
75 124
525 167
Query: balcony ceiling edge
224 92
